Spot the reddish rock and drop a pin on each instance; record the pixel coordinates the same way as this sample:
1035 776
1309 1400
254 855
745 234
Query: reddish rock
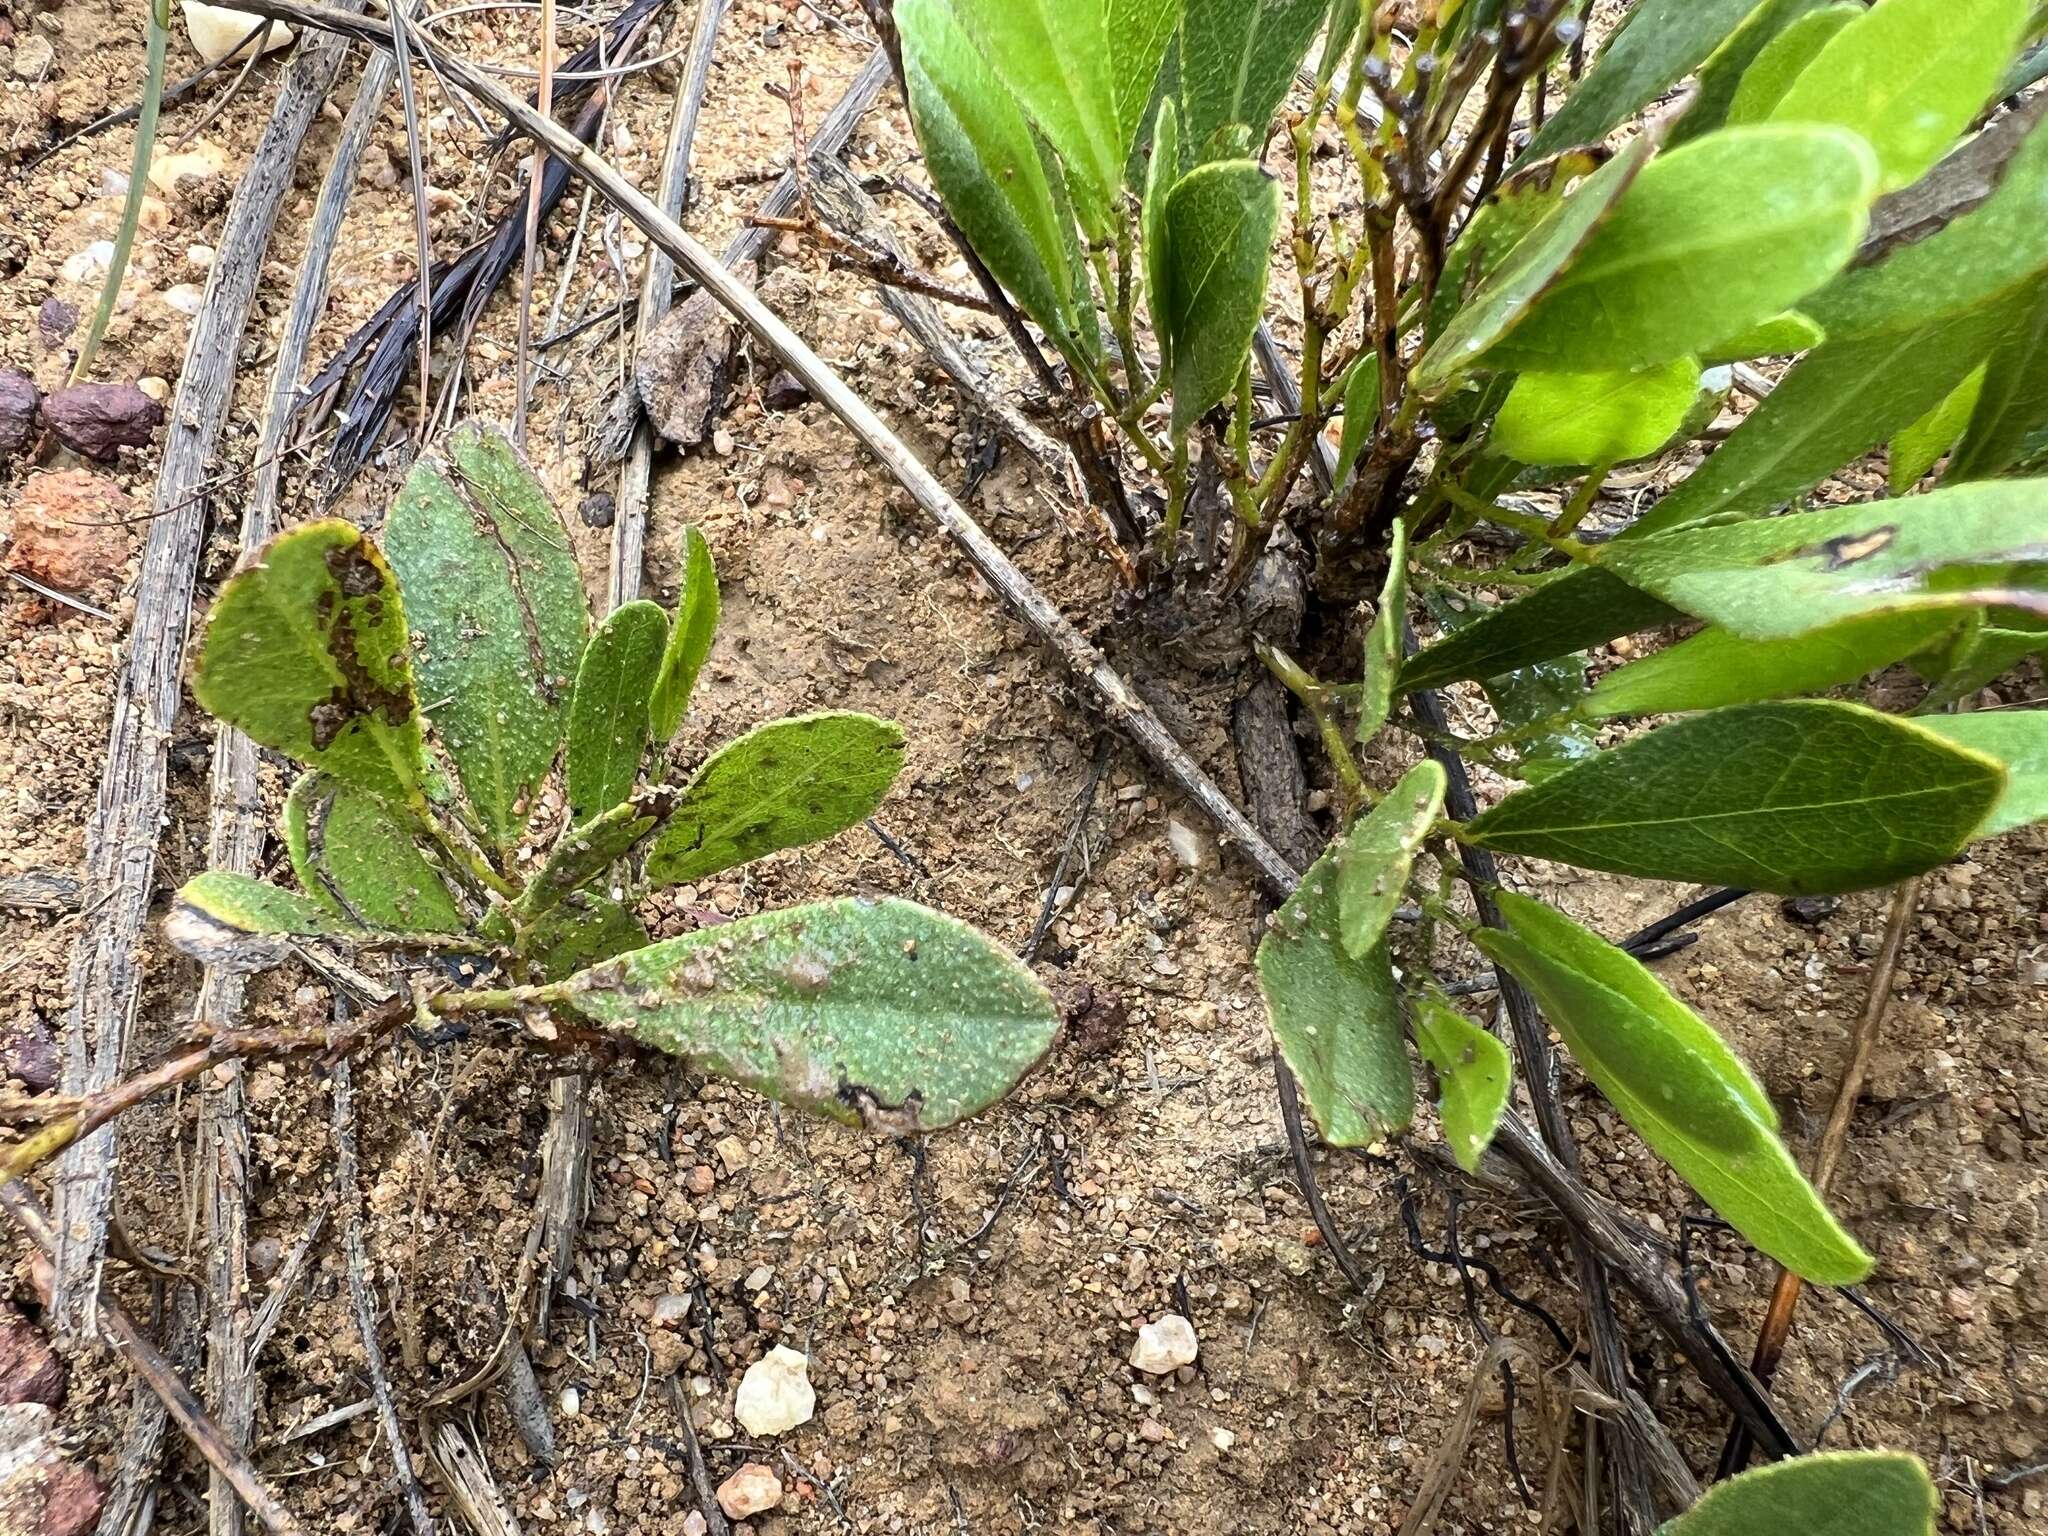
71 1500
29 1054
68 531
19 398
98 420
41 1493
55 322
30 1371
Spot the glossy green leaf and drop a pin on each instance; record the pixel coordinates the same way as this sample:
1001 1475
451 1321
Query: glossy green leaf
1965 545
1799 798
1837 404
1908 75
1730 64
1677 1083
585 852
1373 858
1918 448
1137 33
1714 668
1361 413
584 929
357 855
1237 58
608 713
1662 42
2012 403
1827 1493
1528 268
498 618
781 785
2017 738
1336 1020
1473 1076
1987 646
306 651
1594 418
1784 59
1383 641
1712 238
689 639
1220 220
1053 56
876 1013
1981 256
235 924
979 153
1342 27
1578 607
1511 210
1162 170
1779 336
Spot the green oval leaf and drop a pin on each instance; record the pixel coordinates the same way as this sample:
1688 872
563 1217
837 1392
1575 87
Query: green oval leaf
1383 641
1908 76
587 851
1721 76
608 713
1712 238
1361 414
1237 59
1220 220
357 856
689 639
235 924
2012 403
1677 1083
1784 59
306 651
1917 448
2017 738
1137 33
1779 336
876 1013
979 153
1594 418
1797 798
1473 1076
1829 1493
1660 43
1581 606
498 617
1529 267
583 929
1374 857
1162 170
1963 546
1511 210
1337 1020
781 785
1715 668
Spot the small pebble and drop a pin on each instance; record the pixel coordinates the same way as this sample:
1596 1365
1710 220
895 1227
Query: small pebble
572 1402
750 1490
775 1395
1165 1345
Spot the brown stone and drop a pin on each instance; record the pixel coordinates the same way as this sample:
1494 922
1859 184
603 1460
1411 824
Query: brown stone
98 420
67 531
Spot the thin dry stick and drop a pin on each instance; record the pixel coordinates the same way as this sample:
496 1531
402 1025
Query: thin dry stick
364 1300
130 1507
120 865
238 830
1777 1323
1116 698
530 256
400 42
143 1357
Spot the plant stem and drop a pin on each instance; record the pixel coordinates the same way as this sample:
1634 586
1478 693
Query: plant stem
138 184
1176 500
466 858
1315 698
1581 503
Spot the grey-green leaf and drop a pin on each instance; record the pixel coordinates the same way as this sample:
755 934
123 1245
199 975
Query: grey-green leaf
1962 546
358 856
1714 668
1662 42
1827 1493
1581 606
1220 220
1162 170
781 785
1529 267
2012 402
588 850
583 929
1595 418
1383 641
235 924
306 651
1337 1020
1712 238
1473 1076
1361 413
876 1013
498 618
608 715
689 639
1677 1083
979 153
1801 797
1375 855
1136 33
1918 448
2018 738
1237 58
1908 76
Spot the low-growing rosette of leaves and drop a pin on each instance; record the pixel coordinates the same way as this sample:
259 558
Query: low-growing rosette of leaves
473 647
